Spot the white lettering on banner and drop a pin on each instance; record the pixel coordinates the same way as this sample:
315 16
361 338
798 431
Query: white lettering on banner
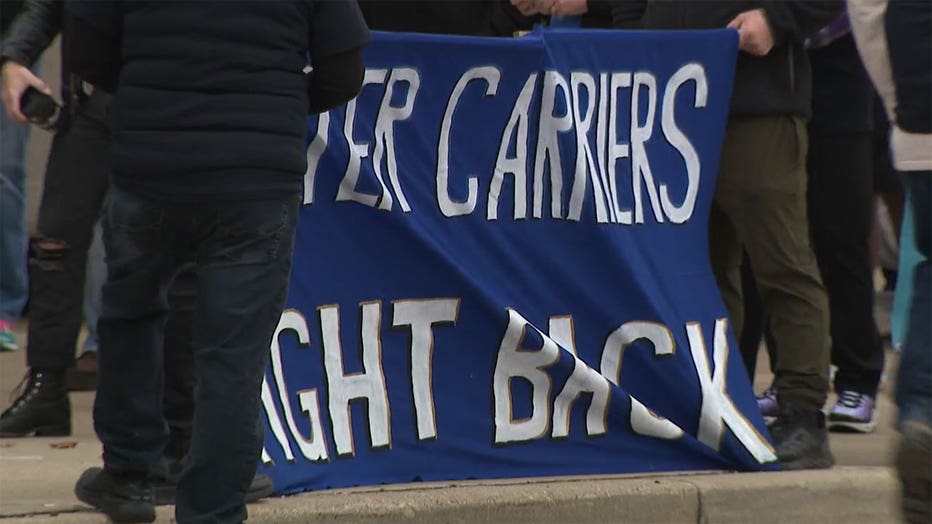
515 361
548 145
515 166
718 410
583 380
358 151
368 385
313 448
643 421
585 163
616 150
640 134
601 141
314 152
421 316
448 206
580 106
385 133
677 139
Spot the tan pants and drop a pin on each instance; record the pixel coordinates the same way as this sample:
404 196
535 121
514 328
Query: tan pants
760 206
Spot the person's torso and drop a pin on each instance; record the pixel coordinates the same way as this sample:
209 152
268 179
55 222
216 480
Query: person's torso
209 86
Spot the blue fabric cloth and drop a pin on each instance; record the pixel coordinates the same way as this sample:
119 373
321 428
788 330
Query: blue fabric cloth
14 287
466 204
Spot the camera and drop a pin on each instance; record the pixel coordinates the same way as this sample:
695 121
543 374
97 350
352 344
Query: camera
40 108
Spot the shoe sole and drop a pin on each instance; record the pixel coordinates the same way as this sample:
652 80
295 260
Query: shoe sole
165 495
822 462
42 431
850 426
117 510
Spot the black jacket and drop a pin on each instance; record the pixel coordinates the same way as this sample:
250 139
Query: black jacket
8 10
32 30
777 84
211 98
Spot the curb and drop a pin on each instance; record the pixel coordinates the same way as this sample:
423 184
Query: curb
848 495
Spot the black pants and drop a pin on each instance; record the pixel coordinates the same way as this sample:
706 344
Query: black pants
76 182
841 193
243 258
841 210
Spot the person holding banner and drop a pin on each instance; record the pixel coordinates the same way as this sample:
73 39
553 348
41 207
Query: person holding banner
207 158
895 41
760 200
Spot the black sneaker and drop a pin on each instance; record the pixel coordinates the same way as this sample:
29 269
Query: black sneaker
801 439
124 499
164 490
40 407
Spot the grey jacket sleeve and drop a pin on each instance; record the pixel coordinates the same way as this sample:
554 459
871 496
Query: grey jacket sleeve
32 31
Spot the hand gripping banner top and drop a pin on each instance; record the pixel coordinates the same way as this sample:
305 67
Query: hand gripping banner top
501 268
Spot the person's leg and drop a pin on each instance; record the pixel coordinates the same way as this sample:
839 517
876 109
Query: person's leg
179 366
764 176
75 184
83 376
13 282
914 381
249 244
141 261
840 211
753 331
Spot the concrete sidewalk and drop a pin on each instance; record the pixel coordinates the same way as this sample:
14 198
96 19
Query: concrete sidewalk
37 477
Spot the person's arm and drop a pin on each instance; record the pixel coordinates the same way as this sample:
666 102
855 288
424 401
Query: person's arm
335 80
776 21
29 35
870 36
507 19
336 36
32 31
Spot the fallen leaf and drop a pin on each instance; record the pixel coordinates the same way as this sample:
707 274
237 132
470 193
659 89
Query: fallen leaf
67 444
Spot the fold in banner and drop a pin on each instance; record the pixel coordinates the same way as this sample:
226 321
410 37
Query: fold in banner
501 268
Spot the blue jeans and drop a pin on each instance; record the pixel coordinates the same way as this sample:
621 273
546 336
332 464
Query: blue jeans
95 275
243 258
13 284
914 384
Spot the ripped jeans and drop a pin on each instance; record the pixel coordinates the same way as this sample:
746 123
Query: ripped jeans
76 182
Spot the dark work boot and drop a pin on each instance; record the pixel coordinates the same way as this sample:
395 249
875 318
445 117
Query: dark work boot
41 407
123 498
801 439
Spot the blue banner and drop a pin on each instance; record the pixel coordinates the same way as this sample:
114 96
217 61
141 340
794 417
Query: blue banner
501 269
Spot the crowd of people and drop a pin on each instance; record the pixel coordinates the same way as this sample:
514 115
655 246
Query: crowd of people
805 151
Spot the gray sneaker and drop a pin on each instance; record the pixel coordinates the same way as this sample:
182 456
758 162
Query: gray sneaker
801 440
853 412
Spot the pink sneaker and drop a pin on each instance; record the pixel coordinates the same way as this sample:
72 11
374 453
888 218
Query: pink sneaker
7 337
